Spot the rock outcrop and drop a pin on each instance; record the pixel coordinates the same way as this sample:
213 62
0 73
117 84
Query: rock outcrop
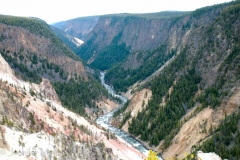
207 156
6 72
48 91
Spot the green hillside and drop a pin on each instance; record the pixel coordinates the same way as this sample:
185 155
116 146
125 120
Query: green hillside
33 61
157 122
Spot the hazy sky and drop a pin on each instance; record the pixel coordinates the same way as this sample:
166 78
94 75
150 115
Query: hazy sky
58 10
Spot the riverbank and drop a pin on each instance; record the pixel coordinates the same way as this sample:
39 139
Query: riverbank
125 140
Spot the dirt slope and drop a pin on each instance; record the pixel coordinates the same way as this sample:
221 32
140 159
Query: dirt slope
198 127
136 104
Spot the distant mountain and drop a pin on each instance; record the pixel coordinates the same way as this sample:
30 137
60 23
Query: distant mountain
78 27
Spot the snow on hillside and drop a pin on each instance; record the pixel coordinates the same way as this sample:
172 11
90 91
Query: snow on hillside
78 42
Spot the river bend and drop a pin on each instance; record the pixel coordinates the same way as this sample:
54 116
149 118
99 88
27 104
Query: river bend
104 121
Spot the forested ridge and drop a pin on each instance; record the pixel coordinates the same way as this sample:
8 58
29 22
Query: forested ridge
157 15
157 122
75 92
38 27
225 140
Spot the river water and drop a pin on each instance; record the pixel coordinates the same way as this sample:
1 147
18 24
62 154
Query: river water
104 120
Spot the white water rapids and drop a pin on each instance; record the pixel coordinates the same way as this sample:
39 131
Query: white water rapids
104 120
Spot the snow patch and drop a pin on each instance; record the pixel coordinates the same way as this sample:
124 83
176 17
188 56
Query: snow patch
79 42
